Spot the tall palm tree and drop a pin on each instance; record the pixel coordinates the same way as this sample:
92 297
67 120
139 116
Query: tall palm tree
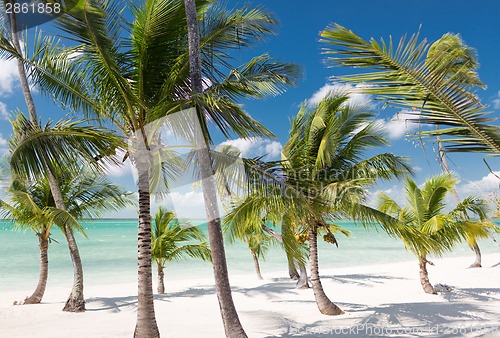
75 302
325 176
32 207
171 241
136 77
405 77
426 228
232 325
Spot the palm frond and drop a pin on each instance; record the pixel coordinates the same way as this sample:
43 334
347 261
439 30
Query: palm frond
405 77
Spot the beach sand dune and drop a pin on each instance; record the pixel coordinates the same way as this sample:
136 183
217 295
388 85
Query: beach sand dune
379 301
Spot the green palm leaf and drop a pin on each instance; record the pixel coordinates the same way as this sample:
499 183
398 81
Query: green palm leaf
406 77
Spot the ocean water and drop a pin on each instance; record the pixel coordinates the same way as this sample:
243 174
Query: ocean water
109 254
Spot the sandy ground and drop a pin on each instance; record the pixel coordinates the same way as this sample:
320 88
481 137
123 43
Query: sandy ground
379 301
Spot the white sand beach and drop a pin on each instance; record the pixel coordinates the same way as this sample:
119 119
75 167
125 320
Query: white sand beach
383 300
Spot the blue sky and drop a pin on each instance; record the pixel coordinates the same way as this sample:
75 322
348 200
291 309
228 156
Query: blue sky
297 41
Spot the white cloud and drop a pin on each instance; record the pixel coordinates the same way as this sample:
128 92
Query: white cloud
254 146
487 184
4 112
125 169
8 76
496 101
356 97
399 125
483 188
3 142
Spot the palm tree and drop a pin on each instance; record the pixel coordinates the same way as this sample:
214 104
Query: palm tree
32 207
232 325
426 228
171 241
38 152
258 241
12 48
26 210
406 77
324 176
136 77
463 64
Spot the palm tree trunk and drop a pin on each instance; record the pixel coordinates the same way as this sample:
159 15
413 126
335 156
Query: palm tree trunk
444 162
424 276
20 68
325 305
161 279
146 326
292 269
76 301
36 297
302 282
477 251
256 263
232 325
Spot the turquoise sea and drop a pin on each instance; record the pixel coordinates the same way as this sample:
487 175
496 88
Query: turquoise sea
109 255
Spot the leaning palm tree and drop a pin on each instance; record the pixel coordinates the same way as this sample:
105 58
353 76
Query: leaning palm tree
32 207
258 241
137 76
324 177
26 210
171 240
89 148
326 145
426 228
44 152
404 76
232 325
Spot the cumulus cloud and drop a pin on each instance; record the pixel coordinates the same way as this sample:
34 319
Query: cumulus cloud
487 184
3 142
8 76
356 97
186 203
399 125
496 101
4 112
122 170
255 146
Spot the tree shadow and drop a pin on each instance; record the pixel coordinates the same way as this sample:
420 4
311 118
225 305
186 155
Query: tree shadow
272 291
190 292
360 279
479 294
113 304
436 319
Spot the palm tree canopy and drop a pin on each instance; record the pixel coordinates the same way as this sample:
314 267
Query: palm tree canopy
425 226
324 173
58 147
415 76
26 205
85 194
136 72
171 240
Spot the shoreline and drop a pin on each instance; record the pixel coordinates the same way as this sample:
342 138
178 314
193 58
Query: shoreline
384 297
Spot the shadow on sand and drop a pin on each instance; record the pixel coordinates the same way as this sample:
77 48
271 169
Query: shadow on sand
443 318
